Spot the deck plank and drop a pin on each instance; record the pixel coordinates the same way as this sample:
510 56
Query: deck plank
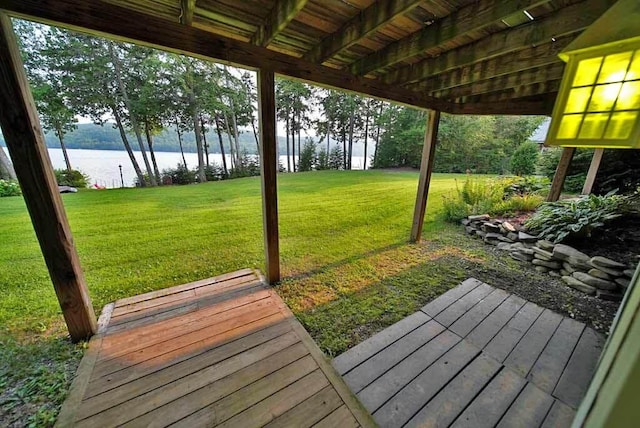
400 408
442 302
387 385
489 406
526 352
490 326
462 305
547 370
377 365
452 400
577 375
213 352
341 417
528 410
503 343
361 352
478 313
560 416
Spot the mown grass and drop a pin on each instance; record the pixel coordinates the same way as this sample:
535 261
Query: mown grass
348 270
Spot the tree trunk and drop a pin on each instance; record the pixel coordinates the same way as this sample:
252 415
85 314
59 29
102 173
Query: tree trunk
204 139
235 134
299 130
6 167
293 143
234 162
224 157
127 146
255 133
132 118
60 136
184 160
375 152
288 153
196 129
328 138
366 139
343 134
147 132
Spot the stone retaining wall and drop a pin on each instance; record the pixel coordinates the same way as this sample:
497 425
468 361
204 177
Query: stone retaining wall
598 275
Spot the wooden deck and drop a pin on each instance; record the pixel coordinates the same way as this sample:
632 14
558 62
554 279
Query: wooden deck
476 356
225 351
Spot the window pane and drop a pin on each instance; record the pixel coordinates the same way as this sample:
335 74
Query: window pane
629 98
577 101
569 126
587 72
634 70
614 67
621 125
604 96
593 126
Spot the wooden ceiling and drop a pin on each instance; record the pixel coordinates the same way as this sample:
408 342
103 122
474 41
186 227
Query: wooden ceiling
458 56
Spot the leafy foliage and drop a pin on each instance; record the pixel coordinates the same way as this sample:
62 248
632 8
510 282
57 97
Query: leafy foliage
9 188
524 159
180 175
307 157
558 221
73 178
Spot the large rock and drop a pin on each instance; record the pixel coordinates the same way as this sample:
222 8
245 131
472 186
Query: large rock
525 237
527 251
508 226
599 274
601 284
490 227
572 256
608 263
607 295
566 266
513 236
492 235
542 269
479 217
481 233
504 246
547 264
579 285
521 257
542 254
610 271
470 230
554 274
629 273
623 282
564 273
505 239
465 221
545 245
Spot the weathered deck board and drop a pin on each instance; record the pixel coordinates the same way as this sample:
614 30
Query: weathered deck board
479 357
219 352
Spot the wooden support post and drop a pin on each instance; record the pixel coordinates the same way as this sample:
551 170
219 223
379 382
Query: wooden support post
593 171
25 141
561 174
426 168
269 170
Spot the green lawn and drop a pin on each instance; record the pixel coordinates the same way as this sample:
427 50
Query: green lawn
135 240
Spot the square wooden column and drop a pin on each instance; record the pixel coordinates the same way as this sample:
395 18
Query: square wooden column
269 170
593 171
426 168
25 141
561 174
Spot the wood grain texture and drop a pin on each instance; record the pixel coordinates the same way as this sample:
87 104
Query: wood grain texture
561 174
426 169
269 171
282 13
25 142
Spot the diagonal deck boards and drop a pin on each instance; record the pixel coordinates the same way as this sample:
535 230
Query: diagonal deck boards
474 357
224 351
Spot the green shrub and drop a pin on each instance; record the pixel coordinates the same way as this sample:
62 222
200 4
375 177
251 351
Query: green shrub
214 172
517 203
557 221
527 185
524 159
9 188
180 174
73 178
307 157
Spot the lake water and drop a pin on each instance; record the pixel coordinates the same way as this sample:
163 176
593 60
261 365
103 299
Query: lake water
102 165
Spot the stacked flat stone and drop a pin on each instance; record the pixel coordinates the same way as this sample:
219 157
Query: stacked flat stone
600 276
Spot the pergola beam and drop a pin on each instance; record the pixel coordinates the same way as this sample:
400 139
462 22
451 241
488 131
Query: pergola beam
473 17
360 26
25 141
426 169
523 78
280 16
537 56
524 108
567 21
188 7
269 170
116 22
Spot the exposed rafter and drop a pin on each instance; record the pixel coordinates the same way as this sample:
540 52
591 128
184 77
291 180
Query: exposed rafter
541 107
535 90
567 21
281 15
525 59
473 17
188 7
527 77
109 20
360 26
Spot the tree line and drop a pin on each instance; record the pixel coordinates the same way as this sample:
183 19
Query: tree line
145 93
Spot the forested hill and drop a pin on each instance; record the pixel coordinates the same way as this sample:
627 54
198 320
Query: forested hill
92 136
